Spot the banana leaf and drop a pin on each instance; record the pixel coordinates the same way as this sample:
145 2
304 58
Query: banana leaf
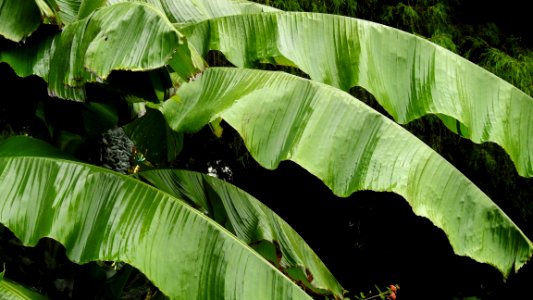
32 58
193 11
20 19
68 10
177 11
126 36
252 222
98 214
350 147
72 10
409 76
11 14
10 290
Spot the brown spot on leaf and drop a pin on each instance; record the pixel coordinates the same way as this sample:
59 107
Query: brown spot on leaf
309 275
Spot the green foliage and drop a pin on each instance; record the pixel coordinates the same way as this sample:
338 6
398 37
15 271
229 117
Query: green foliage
487 45
10 14
432 19
517 70
445 40
160 90
422 79
407 15
302 133
138 225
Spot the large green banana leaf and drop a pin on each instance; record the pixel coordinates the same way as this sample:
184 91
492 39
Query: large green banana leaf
250 221
190 11
193 11
409 76
19 19
31 59
125 36
350 147
11 14
98 214
151 41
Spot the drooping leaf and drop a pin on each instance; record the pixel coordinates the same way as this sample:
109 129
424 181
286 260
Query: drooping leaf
125 36
409 76
32 58
18 146
98 214
18 19
176 11
193 11
250 221
350 147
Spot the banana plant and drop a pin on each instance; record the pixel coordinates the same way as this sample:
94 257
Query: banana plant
336 137
98 214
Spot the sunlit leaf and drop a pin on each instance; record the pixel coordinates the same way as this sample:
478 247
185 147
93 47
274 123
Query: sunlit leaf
18 19
350 147
198 10
98 214
251 221
409 76
121 32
